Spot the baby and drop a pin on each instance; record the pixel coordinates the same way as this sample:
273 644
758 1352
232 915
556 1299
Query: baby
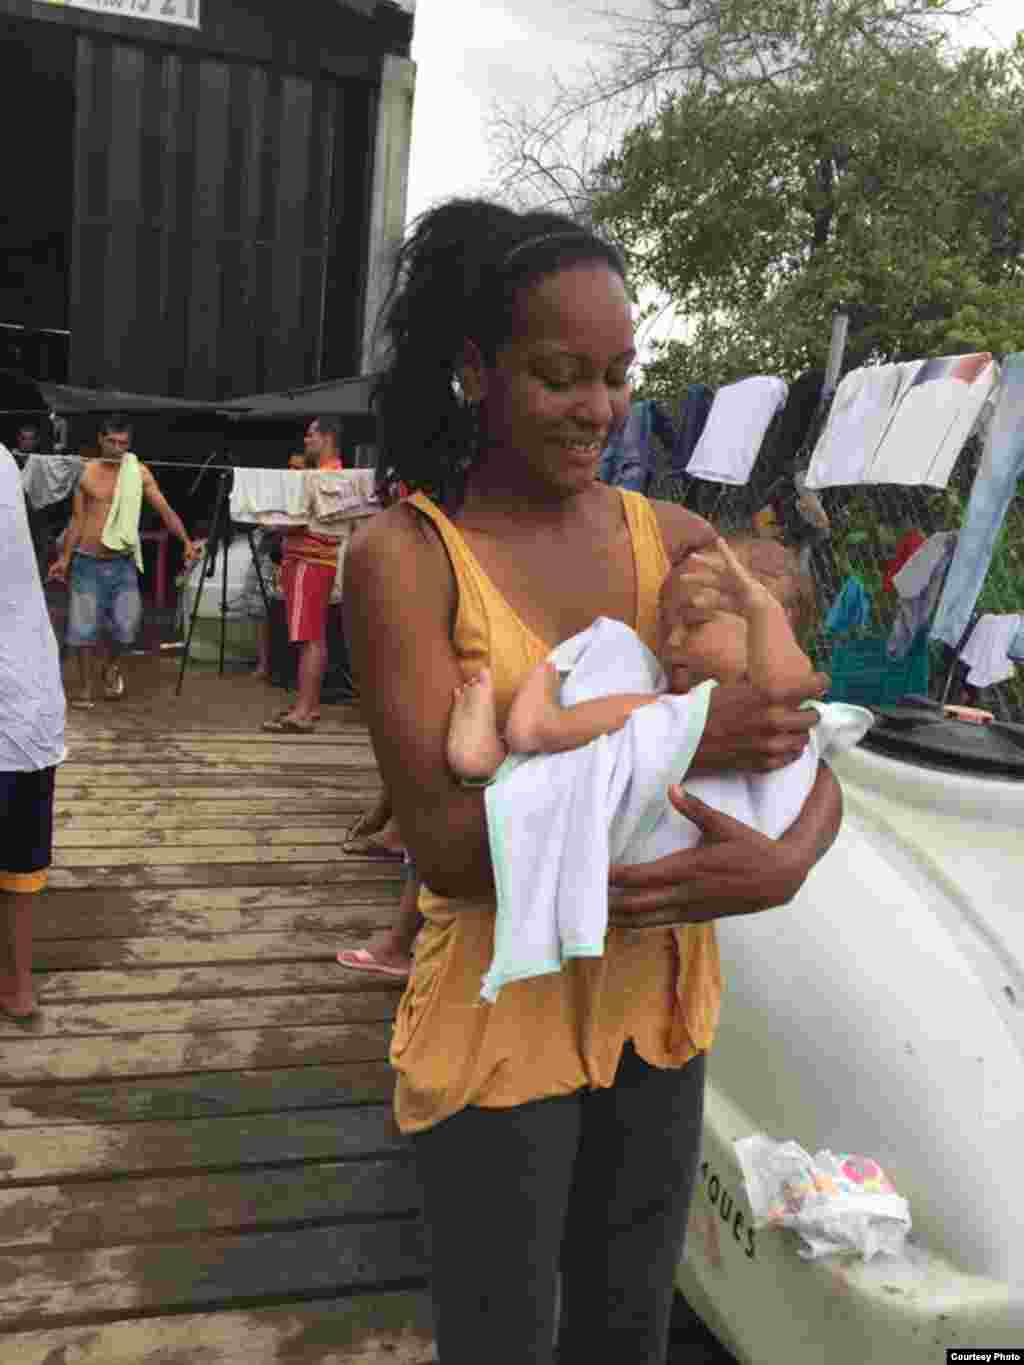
597 733
758 647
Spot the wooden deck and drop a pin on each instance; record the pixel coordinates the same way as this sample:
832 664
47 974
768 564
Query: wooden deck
198 1163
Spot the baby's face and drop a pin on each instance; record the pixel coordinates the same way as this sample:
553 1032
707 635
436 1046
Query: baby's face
717 649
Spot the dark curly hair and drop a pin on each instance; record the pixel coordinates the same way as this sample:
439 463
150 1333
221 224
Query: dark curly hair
457 276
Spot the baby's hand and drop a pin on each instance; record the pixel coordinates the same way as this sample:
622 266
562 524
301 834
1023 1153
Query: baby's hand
738 582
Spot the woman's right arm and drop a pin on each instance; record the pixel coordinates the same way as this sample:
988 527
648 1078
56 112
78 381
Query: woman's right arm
399 603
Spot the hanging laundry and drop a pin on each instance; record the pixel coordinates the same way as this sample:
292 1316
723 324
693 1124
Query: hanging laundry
786 437
739 418
628 458
860 412
988 649
933 419
48 479
909 545
1001 465
692 421
852 608
918 584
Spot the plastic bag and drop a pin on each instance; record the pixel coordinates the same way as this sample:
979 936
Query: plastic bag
835 1203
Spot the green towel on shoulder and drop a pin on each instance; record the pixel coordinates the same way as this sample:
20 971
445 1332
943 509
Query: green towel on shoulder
121 533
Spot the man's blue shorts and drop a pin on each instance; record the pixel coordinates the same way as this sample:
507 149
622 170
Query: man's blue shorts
104 593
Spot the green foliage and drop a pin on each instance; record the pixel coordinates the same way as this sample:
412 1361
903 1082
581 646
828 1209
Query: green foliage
885 178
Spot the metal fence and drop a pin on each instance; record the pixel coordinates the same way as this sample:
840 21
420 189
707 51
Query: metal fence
867 523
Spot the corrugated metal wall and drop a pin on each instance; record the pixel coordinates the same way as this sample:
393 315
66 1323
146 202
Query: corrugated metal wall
208 197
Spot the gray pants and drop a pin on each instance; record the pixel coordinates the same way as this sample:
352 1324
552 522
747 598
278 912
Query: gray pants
597 1184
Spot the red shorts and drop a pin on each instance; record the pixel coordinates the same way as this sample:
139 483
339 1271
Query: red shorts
307 590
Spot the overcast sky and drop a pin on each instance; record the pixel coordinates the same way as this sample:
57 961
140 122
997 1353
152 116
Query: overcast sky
469 54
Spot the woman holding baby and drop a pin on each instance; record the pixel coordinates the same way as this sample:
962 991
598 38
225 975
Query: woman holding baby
558 1128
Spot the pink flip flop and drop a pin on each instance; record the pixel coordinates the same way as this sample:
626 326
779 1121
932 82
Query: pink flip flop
359 960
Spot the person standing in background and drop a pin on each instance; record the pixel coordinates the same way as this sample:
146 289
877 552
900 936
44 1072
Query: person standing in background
32 713
308 573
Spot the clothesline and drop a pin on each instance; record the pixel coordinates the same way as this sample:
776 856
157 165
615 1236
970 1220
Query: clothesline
153 464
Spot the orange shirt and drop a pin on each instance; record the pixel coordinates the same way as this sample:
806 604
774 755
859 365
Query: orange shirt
553 1034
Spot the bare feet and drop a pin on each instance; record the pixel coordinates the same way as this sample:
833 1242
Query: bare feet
475 749
535 711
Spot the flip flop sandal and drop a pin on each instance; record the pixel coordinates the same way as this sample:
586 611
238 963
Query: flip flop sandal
114 691
280 715
22 1020
82 704
359 960
283 726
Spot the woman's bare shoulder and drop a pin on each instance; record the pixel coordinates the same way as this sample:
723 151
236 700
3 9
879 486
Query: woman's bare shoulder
396 548
682 531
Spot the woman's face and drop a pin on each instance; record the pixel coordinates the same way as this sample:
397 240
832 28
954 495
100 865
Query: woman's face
561 383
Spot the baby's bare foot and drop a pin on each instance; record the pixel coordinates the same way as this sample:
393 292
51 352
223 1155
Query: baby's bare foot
475 749
534 712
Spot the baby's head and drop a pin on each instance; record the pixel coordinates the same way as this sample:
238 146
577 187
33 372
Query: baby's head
718 648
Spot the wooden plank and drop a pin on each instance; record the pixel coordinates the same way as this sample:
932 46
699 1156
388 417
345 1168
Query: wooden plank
212 773
48 1287
64 1152
213 910
241 981
370 1329
269 797
186 821
87 1018
237 806
37 1217
167 1054
62 954
198 1096
151 857
218 874
117 834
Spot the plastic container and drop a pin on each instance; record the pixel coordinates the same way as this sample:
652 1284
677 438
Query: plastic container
862 672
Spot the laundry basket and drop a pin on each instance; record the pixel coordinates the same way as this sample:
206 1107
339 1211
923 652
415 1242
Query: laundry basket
862 672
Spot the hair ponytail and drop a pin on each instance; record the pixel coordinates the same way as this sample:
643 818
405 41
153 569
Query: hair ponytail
456 277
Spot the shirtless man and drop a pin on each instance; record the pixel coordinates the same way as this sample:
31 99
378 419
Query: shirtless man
105 583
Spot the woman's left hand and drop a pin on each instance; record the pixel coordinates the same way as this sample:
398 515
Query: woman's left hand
734 870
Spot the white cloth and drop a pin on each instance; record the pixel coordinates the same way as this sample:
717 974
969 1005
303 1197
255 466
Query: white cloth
557 821
302 497
903 424
736 426
32 709
988 647
860 412
47 479
933 420
915 575
268 492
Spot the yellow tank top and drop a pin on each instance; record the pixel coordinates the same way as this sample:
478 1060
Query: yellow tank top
553 1034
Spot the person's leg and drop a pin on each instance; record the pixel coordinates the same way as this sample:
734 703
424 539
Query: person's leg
122 604
26 851
475 749
307 589
391 949
83 625
262 669
495 1186
312 665
539 723
630 1200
